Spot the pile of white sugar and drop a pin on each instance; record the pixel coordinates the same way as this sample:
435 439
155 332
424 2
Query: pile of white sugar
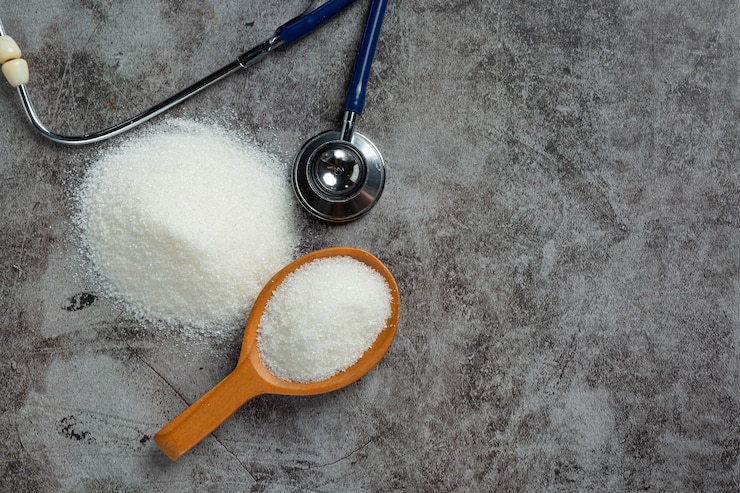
322 318
186 223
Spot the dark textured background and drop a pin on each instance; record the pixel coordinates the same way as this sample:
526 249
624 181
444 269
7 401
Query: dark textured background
561 215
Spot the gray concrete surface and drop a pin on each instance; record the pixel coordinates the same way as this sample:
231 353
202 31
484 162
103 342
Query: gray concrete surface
561 215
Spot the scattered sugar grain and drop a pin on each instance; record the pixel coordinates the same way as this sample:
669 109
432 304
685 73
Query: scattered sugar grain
322 318
185 224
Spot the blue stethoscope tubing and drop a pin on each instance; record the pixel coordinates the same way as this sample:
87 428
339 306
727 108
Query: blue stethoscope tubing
287 34
306 24
355 100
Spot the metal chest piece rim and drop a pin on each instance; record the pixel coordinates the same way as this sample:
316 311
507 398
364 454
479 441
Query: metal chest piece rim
338 180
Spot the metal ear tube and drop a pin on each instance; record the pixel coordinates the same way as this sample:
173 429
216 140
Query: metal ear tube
287 34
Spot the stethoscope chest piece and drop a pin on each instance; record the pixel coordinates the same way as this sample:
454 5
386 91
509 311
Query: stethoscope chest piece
338 180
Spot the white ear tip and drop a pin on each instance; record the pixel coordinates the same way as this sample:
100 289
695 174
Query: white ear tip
8 49
16 71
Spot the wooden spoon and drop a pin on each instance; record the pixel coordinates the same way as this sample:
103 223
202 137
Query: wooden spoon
251 378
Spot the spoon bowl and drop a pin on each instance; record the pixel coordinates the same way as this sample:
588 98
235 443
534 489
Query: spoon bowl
251 378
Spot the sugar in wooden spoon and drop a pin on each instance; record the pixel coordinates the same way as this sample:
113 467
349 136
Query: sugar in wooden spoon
251 377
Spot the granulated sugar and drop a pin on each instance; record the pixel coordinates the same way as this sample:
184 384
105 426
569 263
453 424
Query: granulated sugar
322 318
186 224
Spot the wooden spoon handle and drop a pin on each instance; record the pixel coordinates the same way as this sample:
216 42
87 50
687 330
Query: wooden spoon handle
207 413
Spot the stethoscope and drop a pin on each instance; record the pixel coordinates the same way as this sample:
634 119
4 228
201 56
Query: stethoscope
338 175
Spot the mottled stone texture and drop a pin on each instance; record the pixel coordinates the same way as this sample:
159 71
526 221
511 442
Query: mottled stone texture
561 215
